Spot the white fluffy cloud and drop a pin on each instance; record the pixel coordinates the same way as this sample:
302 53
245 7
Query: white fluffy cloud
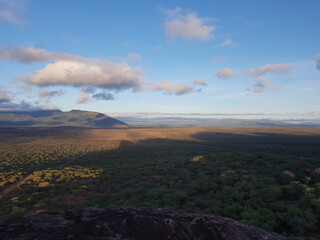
170 88
74 70
86 74
187 25
268 68
225 73
97 73
13 11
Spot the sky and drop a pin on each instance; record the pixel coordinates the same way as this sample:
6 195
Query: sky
206 57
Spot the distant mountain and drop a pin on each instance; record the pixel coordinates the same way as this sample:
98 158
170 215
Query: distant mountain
201 122
57 118
137 121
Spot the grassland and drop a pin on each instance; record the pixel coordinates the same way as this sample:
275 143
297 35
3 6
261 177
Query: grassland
268 177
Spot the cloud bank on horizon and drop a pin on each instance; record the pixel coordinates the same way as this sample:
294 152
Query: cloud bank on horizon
194 57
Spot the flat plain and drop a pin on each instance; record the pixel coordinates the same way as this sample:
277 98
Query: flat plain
268 177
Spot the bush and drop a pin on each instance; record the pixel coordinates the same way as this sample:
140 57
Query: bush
198 159
271 193
315 175
286 177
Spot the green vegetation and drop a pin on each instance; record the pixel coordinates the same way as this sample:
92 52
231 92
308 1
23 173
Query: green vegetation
267 177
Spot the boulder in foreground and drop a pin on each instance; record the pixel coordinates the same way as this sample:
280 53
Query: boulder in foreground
131 224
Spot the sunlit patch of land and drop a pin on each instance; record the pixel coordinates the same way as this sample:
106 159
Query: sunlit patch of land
268 177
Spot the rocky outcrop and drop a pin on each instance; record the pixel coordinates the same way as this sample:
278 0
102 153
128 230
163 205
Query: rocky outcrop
131 224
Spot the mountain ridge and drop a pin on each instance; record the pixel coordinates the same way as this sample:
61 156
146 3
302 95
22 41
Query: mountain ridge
58 118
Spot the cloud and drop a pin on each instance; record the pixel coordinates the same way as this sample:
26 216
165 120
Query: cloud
48 94
225 73
25 89
268 68
163 115
13 11
83 98
261 85
188 26
318 61
4 106
49 106
75 70
87 89
170 88
26 106
4 100
87 74
226 43
32 54
8 103
103 96
199 82
98 73
4 95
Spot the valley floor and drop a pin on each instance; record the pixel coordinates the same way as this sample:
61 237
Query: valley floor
268 177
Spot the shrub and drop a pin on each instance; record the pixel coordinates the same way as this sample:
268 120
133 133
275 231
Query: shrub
198 158
43 184
286 177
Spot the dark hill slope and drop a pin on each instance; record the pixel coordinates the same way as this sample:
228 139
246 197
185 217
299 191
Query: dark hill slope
131 224
57 118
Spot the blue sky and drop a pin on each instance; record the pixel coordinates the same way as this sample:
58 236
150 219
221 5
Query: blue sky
179 56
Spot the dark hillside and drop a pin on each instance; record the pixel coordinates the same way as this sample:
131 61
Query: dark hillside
57 118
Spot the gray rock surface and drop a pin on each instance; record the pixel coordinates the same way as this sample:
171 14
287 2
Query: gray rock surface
131 224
